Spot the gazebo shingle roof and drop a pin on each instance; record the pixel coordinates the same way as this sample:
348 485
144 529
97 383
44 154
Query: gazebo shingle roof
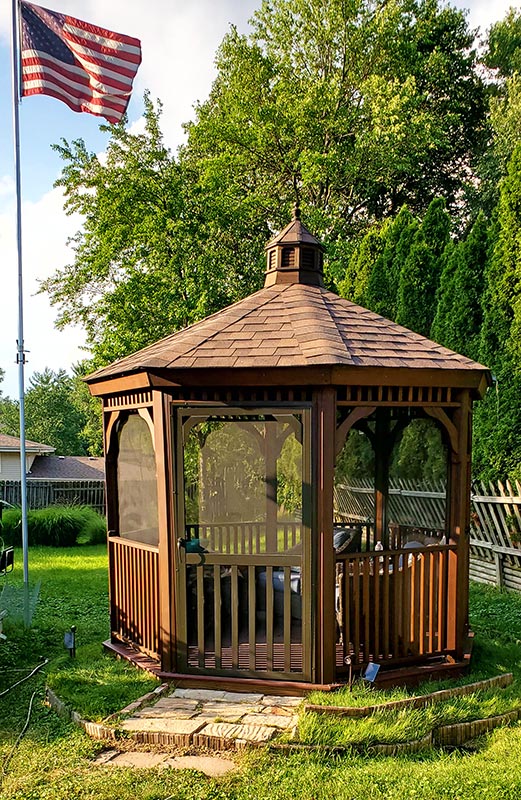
291 325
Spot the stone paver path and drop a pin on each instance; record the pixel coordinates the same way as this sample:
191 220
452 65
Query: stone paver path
215 720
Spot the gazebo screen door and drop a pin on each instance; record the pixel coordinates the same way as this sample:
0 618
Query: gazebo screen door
243 571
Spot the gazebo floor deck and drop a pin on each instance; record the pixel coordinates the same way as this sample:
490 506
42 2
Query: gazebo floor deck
436 668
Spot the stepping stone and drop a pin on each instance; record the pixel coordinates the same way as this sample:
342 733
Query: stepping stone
221 735
157 731
273 700
272 720
178 707
204 695
137 759
241 697
168 725
213 767
165 713
281 711
177 703
227 711
104 757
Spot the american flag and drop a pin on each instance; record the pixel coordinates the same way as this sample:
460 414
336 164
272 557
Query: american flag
89 68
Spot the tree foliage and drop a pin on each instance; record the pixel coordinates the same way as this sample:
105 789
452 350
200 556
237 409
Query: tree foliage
382 284
351 108
459 314
53 415
144 259
361 266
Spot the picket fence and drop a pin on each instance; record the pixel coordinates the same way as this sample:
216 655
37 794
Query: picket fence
42 493
495 528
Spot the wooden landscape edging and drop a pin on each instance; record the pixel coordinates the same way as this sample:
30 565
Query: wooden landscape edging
453 735
100 730
500 681
445 736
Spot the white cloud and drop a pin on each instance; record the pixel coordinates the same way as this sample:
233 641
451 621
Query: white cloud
46 229
482 13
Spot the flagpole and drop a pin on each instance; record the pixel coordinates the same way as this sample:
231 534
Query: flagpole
20 353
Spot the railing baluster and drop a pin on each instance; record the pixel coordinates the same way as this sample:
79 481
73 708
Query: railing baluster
287 619
385 647
269 618
235 616
376 611
356 608
252 622
217 606
345 587
200 615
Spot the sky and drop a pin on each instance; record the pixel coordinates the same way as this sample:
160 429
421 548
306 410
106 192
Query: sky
179 40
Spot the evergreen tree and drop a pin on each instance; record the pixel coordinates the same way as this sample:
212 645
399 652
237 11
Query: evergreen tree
360 267
441 325
415 302
497 444
382 286
420 273
436 227
499 338
464 336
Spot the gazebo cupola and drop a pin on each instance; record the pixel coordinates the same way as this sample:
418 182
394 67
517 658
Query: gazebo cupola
294 256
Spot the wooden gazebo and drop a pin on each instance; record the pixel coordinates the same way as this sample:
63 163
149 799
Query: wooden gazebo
226 563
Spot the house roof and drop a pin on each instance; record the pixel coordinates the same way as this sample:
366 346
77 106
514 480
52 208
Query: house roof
68 468
291 325
12 444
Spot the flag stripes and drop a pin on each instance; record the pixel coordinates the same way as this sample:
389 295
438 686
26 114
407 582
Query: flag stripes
88 68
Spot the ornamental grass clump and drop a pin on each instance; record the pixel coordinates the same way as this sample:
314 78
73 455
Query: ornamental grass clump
55 526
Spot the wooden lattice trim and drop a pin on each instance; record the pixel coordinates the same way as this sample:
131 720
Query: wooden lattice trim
233 395
128 400
396 395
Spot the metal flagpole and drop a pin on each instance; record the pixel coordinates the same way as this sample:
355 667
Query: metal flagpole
20 353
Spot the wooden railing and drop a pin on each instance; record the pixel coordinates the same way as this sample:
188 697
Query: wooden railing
243 537
244 615
395 605
134 586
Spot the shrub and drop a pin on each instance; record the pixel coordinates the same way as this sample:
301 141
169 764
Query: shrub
56 526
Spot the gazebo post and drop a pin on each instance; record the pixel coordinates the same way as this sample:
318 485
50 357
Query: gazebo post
166 577
324 470
461 504
382 447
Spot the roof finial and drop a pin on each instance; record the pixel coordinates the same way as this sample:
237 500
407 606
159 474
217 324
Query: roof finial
296 212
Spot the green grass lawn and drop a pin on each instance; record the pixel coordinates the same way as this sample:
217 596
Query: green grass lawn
53 760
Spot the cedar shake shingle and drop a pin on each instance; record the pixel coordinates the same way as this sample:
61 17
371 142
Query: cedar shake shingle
291 325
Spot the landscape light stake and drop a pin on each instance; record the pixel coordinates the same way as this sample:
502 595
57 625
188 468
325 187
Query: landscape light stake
69 640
